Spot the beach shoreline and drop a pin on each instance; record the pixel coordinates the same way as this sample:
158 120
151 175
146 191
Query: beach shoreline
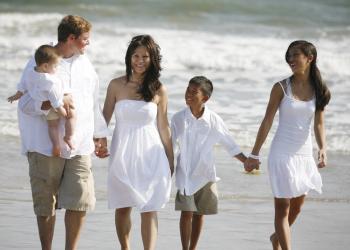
244 221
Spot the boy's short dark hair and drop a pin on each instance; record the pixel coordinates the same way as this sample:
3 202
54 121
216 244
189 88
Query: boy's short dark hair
45 54
204 83
70 24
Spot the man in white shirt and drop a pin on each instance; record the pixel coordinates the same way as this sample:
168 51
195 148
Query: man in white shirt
65 182
196 129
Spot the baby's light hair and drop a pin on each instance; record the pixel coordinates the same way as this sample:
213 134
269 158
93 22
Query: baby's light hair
45 54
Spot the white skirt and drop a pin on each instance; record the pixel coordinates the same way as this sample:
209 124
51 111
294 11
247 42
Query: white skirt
293 175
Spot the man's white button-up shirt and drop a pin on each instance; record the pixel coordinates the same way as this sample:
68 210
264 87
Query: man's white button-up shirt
84 87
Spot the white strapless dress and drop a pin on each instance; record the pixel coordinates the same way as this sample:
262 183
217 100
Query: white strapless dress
292 168
138 174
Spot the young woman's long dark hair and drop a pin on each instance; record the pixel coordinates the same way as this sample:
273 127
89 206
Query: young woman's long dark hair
151 82
322 93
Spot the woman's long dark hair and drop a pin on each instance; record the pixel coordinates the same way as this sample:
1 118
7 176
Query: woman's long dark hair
322 93
151 82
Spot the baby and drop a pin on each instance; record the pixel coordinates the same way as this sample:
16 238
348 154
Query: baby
42 84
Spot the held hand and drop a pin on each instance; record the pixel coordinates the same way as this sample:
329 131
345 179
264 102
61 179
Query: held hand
322 158
46 105
250 164
68 104
101 150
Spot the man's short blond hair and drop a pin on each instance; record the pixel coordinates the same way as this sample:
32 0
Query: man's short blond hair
75 25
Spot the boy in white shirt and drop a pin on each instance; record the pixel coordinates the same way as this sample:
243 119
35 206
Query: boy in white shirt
196 129
42 84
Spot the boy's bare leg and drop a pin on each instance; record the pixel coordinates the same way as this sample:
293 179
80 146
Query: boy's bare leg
69 129
46 226
54 136
294 210
197 225
185 228
74 221
123 226
149 230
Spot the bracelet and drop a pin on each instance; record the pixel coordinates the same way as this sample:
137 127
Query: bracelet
255 157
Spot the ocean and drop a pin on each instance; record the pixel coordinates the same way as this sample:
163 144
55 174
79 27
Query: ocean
240 46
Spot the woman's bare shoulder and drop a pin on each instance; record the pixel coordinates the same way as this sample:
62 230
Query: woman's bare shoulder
118 82
162 90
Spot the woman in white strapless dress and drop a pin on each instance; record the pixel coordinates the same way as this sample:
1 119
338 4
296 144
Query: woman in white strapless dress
141 161
292 168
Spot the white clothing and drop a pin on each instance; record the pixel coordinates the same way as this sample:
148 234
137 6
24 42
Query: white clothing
42 87
292 168
90 123
65 72
196 138
139 174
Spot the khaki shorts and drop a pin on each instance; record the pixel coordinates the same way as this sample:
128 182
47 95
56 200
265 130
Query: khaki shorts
204 201
52 115
61 183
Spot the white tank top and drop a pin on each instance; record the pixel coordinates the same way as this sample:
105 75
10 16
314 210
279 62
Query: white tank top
293 135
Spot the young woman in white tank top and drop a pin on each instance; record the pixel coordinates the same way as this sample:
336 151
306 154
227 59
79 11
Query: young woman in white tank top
292 169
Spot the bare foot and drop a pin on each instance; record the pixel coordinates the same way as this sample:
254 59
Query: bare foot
68 140
274 242
56 151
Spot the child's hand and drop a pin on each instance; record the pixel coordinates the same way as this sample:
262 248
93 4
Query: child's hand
46 105
15 97
12 98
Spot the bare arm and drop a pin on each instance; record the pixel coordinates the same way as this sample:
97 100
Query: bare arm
15 97
320 138
241 157
276 96
110 101
163 126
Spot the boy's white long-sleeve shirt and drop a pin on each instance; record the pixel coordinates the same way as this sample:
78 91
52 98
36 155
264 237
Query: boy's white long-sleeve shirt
195 139
84 87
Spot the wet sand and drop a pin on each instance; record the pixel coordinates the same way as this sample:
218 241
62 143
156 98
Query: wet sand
245 218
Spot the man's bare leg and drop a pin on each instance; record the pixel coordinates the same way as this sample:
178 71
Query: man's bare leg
74 221
46 226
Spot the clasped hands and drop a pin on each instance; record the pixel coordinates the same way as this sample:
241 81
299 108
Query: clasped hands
250 164
101 150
